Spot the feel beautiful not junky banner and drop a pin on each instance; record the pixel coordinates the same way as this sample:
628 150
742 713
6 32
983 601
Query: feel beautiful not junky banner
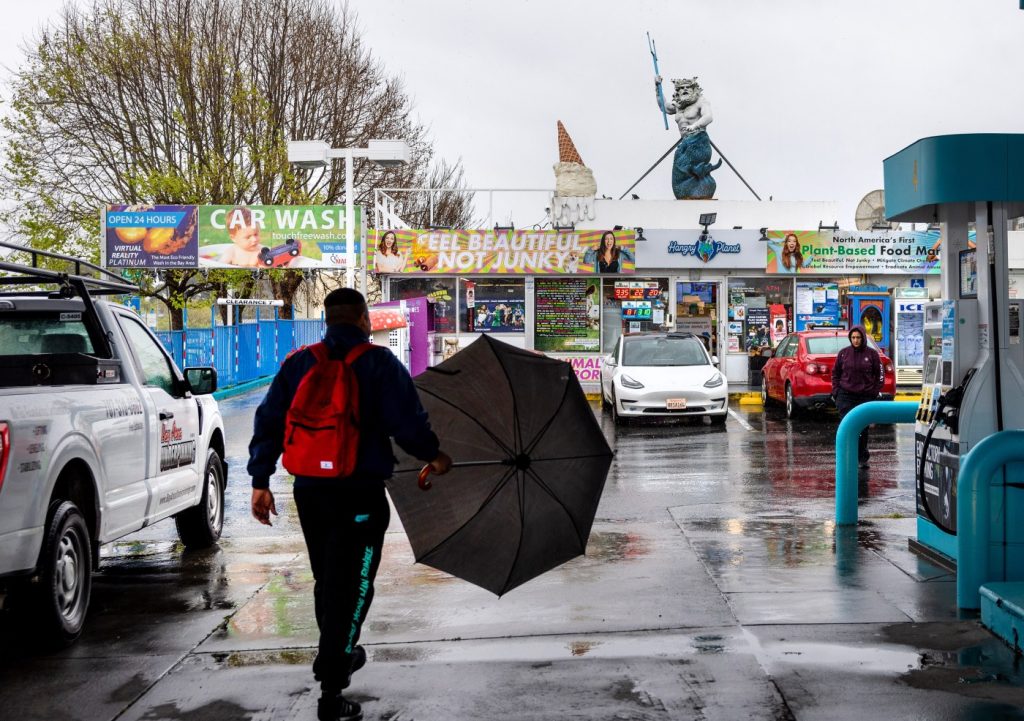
482 252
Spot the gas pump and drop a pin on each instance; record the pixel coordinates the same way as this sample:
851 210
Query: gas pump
973 382
951 349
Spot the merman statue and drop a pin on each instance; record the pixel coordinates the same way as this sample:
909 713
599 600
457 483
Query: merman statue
691 167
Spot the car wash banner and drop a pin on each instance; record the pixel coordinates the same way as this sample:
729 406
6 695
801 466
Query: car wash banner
149 236
808 252
228 236
276 236
503 252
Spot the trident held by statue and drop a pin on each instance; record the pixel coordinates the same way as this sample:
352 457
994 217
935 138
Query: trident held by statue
657 75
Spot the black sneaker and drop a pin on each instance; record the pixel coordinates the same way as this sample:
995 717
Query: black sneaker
358 661
338 708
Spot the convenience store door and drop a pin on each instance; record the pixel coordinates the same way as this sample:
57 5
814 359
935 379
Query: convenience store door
697 312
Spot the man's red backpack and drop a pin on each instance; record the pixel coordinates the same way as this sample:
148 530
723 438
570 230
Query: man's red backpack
321 436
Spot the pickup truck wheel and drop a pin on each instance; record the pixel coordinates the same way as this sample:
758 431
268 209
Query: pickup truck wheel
200 526
60 599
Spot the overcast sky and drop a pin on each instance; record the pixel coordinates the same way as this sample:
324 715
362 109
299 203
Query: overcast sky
808 96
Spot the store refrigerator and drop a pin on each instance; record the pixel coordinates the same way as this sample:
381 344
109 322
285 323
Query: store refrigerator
909 334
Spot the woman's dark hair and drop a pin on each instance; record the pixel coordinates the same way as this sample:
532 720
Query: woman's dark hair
382 248
788 255
615 247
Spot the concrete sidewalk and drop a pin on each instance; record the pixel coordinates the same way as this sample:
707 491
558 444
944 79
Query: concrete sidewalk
716 587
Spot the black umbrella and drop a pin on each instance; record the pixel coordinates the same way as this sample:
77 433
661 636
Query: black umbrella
530 465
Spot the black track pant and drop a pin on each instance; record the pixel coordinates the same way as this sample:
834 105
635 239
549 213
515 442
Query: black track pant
846 402
344 533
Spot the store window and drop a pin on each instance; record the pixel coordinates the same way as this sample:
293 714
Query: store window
760 313
440 290
492 305
567 315
818 305
697 312
637 305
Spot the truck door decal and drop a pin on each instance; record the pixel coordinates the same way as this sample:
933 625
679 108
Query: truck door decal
175 452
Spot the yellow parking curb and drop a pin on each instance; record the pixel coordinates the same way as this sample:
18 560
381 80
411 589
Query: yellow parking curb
753 398
749 398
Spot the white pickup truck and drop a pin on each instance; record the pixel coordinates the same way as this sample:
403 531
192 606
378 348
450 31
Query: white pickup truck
100 435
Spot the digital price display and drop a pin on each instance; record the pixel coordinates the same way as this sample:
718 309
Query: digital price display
637 310
636 291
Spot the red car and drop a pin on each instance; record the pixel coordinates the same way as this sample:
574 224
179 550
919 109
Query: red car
799 372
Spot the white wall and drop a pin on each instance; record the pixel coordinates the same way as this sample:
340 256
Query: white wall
677 214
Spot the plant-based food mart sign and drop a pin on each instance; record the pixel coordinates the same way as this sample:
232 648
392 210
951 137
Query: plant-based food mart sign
497 252
809 252
227 236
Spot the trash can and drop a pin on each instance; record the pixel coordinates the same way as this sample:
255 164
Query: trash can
756 365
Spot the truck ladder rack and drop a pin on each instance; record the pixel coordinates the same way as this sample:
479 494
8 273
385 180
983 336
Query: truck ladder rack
87 278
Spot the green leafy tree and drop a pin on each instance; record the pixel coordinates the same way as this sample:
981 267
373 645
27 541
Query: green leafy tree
191 101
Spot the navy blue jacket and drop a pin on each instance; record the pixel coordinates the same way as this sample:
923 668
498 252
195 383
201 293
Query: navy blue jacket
388 405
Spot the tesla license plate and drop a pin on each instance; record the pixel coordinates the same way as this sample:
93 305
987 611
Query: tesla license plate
675 404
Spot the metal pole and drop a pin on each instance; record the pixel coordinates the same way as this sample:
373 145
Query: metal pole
656 164
651 169
184 336
237 320
732 168
350 218
213 336
855 422
364 254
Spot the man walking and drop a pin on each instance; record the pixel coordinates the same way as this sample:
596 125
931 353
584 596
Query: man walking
857 378
344 519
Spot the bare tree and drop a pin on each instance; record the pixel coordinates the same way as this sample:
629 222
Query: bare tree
191 101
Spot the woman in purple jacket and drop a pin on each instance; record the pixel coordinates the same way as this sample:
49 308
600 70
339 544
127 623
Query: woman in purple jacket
857 378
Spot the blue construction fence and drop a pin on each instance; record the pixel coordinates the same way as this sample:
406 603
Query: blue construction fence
242 352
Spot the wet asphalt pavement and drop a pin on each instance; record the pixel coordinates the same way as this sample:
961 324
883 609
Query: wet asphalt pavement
715 586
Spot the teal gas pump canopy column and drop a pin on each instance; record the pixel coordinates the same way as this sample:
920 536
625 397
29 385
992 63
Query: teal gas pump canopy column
973 385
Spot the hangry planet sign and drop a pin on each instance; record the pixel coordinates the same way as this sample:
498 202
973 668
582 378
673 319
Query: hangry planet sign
482 252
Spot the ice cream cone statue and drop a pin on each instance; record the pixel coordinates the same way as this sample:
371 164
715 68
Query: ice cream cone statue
575 187
567 152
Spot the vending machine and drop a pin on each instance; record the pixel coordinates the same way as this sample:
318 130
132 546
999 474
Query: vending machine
908 321
871 308
423 349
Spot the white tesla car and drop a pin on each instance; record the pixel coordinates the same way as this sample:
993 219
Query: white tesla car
663 374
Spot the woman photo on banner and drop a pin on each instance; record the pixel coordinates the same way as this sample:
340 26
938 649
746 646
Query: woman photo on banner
788 257
388 258
608 256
